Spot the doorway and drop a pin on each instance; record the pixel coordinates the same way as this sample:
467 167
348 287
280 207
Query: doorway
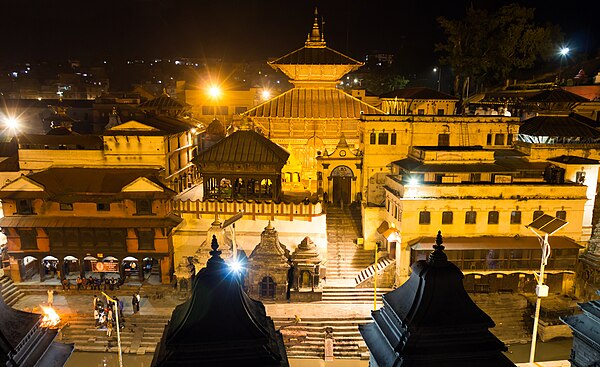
342 185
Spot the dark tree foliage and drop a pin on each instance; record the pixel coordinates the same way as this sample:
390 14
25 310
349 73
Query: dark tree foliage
487 47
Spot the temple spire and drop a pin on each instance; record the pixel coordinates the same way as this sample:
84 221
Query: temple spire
315 38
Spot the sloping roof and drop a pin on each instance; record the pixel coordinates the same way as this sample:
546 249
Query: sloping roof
413 165
244 146
166 125
315 56
418 93
489 242
555 95
90 184
33 221
564 126
569 159
313 103
83 141
163 101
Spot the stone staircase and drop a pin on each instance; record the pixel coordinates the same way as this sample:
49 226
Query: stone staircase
348 343
509 312
140 335
10 293
351 295
345 258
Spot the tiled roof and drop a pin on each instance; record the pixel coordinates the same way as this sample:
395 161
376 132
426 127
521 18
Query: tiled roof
313 103
315 56
166 125
244 146
557 126
83 141
163 101
417 93
33 221
569 159
413 165
556 95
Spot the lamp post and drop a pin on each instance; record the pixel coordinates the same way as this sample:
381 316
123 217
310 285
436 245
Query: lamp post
563 52
543 227
438 70
116 312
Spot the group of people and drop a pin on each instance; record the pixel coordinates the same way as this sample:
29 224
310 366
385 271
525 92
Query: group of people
93 283
104 312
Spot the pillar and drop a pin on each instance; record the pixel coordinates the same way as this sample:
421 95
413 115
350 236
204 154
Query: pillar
42 270
165 270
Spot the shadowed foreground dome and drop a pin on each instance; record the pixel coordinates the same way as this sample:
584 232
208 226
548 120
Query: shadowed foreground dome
431 321
220 325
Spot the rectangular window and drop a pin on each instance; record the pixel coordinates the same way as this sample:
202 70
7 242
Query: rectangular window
383 138
443 140
493 217
440 112
537 214
24 206
489 139
393 138
373 139
103 207
28 239
447 217
515 217
499 139
509 139
425 217
420 111
143 206
240 109
561 214
66 206
145 239
475 177
471 217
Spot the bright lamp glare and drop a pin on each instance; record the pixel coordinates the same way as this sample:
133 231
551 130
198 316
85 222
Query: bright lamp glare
214 91
266 94
236 266
564 51
413 181
12 123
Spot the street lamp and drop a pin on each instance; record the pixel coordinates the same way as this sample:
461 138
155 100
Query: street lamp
438 70
214 92
563 52
543 227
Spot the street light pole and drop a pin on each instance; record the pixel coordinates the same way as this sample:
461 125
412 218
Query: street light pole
546 225
438 70
564 52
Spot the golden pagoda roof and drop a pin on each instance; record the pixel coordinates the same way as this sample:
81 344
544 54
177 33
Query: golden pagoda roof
313 103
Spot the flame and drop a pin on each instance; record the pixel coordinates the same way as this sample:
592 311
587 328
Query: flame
50 318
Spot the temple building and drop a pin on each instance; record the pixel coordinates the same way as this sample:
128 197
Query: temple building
312 116
25 341
76 218
219 325
586 336
431 321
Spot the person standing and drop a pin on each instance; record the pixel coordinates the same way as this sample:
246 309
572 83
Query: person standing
79 283
109 328
50 297
139 300
96 316
135 303
95 301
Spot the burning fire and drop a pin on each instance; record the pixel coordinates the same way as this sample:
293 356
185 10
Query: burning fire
50 318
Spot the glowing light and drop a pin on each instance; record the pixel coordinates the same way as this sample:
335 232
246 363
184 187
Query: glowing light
236 266
214 91
564 51
413 181
11 122
266 94
435 70
50 318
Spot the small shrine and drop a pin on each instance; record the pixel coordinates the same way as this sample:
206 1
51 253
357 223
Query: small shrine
224 237
306 263
26 341
269 267
219 325
586 334
244 165
588 267
431 321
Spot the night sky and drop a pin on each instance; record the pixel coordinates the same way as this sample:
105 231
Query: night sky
251 30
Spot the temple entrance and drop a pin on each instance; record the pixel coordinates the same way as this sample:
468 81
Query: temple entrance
30 268
151 269
131 267
71 267
342 185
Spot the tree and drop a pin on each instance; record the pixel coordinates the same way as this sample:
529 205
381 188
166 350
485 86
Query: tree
382 82
488 48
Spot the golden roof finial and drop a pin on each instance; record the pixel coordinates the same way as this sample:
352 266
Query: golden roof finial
315 38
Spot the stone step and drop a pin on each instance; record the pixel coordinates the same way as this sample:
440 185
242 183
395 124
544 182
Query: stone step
10 292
